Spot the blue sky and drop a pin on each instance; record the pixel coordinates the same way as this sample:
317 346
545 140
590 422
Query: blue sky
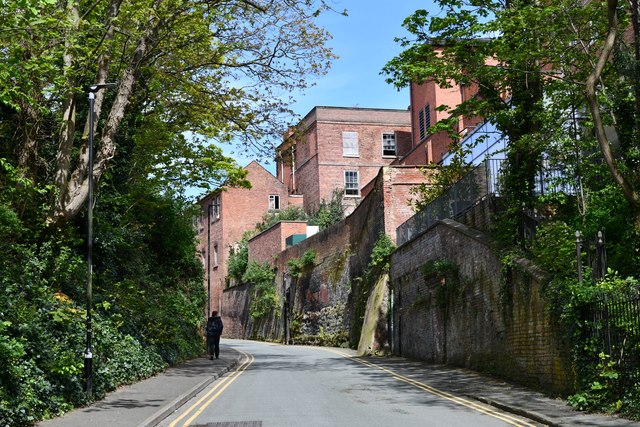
364 42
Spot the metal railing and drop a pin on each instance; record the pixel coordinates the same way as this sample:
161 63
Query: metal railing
482 181
613 328
478 183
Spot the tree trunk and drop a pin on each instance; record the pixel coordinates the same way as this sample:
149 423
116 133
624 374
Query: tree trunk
594 108
68 128
73 196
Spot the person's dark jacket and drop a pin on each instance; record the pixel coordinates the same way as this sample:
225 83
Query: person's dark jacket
214 326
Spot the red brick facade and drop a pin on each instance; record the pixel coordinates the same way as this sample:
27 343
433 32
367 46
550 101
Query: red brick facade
317 166
266 246
426 97
239 210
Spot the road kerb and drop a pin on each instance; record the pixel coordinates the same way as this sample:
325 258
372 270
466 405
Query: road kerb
167 410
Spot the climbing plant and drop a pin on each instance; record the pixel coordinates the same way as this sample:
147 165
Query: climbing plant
264 297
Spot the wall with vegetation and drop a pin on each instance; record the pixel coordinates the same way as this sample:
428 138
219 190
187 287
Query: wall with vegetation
326 279
454 303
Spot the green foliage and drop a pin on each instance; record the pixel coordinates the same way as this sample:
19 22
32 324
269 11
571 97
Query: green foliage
606 210
292 213
165 132
177 68
453 46
599 375
323 339
554 249
148 303
147 271
440 269
329 212
298 265
437 182
264 298
381 254
258 273
238 258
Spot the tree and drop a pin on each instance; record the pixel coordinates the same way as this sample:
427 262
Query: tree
189 70
623 162
529 61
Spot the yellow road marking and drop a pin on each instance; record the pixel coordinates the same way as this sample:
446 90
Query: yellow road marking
445 395
222 385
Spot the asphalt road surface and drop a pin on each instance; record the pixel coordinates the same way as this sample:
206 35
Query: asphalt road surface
276 385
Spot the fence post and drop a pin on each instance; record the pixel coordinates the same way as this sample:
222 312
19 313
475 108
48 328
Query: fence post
601 256
579 255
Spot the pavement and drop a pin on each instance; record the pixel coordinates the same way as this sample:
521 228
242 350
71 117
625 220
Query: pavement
148 402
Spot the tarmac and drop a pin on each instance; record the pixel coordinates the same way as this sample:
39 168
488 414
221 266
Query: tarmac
148 402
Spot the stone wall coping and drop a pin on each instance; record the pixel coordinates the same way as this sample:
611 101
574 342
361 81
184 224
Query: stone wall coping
466 230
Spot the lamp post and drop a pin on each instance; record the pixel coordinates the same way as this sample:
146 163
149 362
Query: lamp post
88 355
209 260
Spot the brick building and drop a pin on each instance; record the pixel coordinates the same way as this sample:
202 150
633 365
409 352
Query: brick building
429 147
227 213
333 148
425 98
341 148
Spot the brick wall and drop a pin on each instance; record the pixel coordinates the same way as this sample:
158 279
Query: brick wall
235 316
475 321
398 181
266 246
320 297
241 210
324 296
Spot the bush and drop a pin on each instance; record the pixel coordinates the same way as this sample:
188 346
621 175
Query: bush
264 298
298 265
148 303
601 383
329 212
238 259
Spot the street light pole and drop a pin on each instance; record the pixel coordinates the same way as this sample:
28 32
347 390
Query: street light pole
208 261
88 354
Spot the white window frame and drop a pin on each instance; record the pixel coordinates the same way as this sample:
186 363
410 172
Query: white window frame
274 202
386 147
350 144
349 182
216 208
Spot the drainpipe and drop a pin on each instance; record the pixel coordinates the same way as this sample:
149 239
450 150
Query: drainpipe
293 170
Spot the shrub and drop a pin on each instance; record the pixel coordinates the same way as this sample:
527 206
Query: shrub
298 265
264 298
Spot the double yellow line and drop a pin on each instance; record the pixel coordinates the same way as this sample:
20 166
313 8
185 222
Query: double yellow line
440 393
217 390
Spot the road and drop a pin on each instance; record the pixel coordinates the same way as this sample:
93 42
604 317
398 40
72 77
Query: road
279 385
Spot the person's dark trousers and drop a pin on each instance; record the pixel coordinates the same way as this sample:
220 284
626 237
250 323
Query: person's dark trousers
214 346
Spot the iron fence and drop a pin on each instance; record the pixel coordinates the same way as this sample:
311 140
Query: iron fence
595 253
612 327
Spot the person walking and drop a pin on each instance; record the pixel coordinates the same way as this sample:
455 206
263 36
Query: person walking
214 330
